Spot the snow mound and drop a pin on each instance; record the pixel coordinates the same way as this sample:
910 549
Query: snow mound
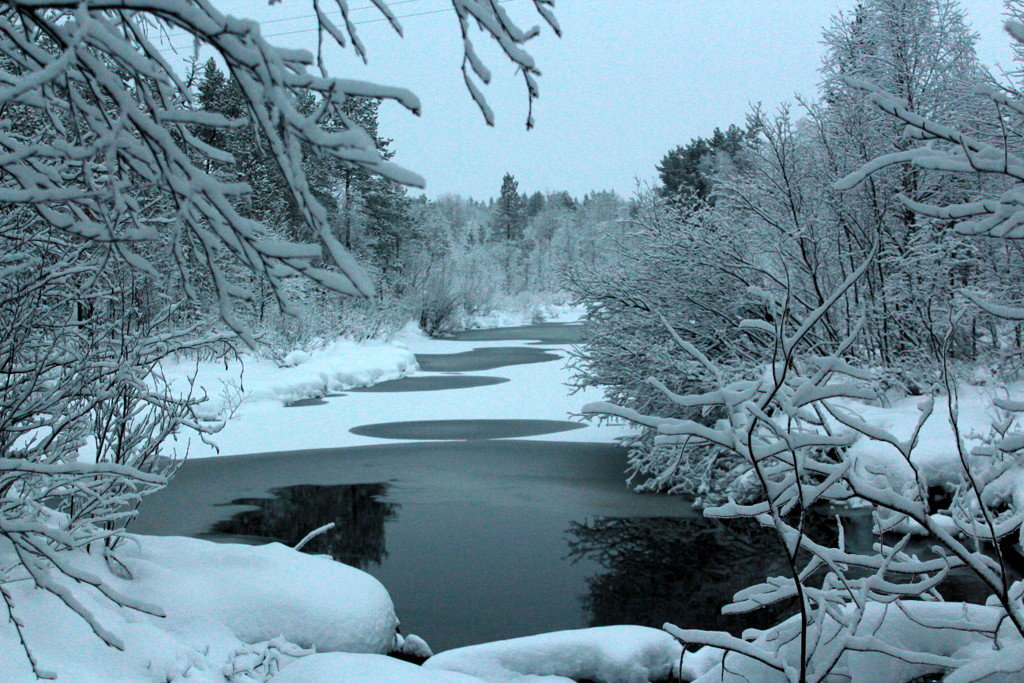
262 592
413 646
935 455
294 358
338 667
227 607
606 653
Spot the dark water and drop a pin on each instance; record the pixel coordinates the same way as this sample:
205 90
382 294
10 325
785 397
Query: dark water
542 333
487 358
464 429
472 538
431 383
306 403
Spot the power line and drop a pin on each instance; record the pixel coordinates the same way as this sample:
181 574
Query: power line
364 21
309 16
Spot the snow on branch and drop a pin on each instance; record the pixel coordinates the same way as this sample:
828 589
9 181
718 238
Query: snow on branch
121 120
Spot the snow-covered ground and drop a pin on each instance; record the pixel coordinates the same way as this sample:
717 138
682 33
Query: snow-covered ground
240 613
608 653
936 455
239 383
262 423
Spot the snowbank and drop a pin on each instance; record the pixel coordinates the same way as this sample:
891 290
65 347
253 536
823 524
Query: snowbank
607 653
261 592
935 455
341 365
223 603
535 391
336 667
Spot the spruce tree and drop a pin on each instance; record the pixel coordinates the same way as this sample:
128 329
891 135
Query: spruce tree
509 211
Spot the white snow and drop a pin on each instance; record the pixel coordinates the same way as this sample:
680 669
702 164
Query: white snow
261 592
223 602
337 667
607 653
413 645
534 312
901 630
535 392
235 386
935 455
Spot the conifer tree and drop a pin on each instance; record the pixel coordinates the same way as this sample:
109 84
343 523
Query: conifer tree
686 172
509 211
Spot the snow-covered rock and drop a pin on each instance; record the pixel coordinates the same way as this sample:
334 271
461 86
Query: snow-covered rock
262 592
223 603
623 654
413 646
293 358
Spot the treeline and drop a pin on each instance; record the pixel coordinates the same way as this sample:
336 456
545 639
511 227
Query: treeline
436 261
751 223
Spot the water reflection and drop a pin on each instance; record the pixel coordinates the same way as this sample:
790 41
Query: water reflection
358 511
678 570
684 570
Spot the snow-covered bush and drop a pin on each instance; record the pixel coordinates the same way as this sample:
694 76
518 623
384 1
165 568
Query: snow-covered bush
672 276
79 372
792 427
777 225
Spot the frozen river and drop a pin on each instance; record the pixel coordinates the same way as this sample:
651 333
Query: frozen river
480 528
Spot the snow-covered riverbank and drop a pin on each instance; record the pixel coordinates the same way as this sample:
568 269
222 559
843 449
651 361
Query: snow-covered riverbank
263 422
242 613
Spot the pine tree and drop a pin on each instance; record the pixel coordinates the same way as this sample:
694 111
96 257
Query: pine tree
687 171
509 211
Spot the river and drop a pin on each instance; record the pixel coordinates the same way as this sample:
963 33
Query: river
479 534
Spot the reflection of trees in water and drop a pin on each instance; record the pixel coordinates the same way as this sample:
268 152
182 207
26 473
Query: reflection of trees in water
679 570
356 509
684 570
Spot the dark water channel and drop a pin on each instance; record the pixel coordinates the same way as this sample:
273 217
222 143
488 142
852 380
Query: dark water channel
479 538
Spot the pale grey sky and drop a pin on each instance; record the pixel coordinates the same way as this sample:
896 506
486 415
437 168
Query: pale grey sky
628 81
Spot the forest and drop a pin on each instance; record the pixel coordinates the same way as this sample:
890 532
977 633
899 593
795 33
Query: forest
261 394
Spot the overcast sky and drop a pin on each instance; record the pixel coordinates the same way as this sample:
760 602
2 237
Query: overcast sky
628 81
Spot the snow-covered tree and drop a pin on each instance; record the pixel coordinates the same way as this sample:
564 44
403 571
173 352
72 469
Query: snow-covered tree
923 51
792 423
112 185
